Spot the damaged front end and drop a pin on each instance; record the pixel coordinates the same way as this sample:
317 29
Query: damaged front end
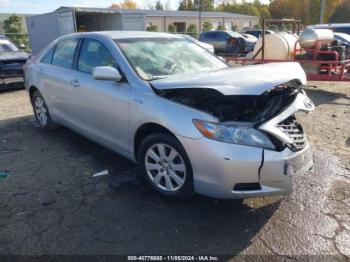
266 120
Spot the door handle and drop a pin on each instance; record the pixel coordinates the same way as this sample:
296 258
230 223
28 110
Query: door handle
41 71
75 83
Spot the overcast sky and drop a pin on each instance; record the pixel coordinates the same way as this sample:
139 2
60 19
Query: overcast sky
43 6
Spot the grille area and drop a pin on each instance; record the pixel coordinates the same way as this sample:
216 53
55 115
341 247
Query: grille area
295 132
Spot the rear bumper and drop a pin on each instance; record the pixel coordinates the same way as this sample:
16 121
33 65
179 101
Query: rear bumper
218 167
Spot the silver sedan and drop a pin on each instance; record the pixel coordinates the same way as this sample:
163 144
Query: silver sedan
190 121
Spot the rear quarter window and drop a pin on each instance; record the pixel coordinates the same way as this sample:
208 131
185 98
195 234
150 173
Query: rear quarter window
47 58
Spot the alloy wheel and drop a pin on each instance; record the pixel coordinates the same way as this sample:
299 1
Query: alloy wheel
165 167
40 111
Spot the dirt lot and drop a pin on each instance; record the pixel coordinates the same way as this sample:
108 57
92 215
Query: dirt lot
50 204
329 126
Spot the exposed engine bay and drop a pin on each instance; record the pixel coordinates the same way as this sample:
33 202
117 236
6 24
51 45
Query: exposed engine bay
240 108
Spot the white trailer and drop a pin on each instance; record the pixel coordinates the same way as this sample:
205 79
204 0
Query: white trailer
44 28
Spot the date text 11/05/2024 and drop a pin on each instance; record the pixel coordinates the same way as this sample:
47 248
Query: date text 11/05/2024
173 258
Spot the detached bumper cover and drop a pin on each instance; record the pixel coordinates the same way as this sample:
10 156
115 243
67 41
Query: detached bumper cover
218 167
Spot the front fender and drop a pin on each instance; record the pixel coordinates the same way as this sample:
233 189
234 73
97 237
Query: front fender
177 118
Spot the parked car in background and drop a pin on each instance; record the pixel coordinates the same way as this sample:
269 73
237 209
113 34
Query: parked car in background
339 28
206 46
228 42
258 32
343 38
251 37
12 61
190 121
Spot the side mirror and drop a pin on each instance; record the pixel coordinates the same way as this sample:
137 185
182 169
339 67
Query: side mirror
22 46
106 73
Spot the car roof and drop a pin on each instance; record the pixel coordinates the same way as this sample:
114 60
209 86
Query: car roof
125 34
331 25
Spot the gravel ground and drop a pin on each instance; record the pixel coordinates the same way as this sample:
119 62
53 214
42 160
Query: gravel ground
328 126
50 204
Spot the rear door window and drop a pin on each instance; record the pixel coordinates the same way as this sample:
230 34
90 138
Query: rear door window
92 54
64 53
212 35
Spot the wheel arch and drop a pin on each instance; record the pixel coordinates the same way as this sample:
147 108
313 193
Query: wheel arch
145 130
32 89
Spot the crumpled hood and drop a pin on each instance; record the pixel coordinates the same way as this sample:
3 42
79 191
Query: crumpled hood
246 80
19 55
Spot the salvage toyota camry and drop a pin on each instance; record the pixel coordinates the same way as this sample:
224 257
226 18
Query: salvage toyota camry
190 121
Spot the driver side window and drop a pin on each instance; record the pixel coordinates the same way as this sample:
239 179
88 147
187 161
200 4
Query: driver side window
92 54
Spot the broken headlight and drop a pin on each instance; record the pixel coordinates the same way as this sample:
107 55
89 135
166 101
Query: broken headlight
234 134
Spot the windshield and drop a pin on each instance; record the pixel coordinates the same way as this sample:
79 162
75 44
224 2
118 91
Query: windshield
7 46
154 58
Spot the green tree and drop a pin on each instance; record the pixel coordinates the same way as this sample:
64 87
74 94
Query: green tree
152 28
14 29
159 6
171 28
206 5
192 30
221 27
341 13
207 26
254 8
186 5
256 27
308 11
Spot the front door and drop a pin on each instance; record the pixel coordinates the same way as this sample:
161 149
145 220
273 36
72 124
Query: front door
101 106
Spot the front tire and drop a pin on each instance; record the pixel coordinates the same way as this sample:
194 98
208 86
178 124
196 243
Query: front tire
41 112
165 166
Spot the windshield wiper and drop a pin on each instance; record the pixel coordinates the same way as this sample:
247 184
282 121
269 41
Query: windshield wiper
158 77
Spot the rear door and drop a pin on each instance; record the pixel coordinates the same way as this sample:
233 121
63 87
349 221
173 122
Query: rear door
56 70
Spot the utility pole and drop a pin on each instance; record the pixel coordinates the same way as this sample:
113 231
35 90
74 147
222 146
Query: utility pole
323 6
308 11
200 16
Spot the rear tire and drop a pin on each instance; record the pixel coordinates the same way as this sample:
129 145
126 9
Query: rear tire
41 112
165 166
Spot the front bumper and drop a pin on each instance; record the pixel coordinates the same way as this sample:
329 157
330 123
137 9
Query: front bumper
11 70
218 167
